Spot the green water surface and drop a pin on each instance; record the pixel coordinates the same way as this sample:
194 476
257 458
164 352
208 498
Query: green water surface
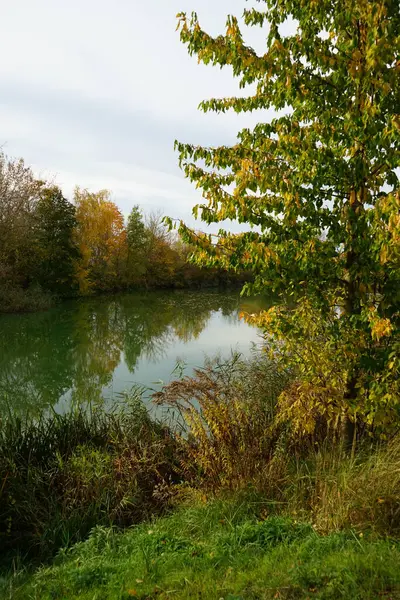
92 350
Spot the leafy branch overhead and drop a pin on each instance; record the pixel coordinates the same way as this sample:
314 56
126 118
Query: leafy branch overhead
318 184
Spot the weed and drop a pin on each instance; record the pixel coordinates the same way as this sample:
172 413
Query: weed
229 435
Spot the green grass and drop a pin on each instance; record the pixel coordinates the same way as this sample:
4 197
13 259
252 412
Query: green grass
221 549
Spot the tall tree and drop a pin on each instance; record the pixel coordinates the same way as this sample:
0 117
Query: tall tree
138 241
56 248
161 256
101 238
320 182
19 194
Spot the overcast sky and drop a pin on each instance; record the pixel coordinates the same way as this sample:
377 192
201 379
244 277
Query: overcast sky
94 93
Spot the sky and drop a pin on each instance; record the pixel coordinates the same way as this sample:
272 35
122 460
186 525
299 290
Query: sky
94 93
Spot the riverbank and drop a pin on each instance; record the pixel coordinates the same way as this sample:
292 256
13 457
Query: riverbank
15 300
236 509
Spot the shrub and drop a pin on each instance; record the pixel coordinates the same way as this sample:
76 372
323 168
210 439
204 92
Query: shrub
233 438
228 434
16 299
64 474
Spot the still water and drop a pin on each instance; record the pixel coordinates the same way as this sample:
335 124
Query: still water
92 350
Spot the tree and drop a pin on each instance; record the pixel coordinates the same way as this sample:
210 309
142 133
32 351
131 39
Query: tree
19 194
320 183
138 240
162 258
56 248
101 237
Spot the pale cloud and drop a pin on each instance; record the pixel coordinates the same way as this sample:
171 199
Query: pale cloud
94 93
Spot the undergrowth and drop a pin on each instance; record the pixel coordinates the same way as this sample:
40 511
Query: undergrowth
232 439
306 520
228 435
14 299
63 474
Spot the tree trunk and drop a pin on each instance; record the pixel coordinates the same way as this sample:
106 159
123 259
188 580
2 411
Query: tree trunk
349 426
352 307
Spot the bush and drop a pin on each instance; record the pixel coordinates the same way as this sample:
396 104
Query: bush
64 474
16 299
232 438
227 411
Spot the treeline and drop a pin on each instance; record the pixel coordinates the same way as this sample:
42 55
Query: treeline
53 247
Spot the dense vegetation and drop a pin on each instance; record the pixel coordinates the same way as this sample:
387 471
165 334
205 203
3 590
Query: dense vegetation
320 182
51 247
292 520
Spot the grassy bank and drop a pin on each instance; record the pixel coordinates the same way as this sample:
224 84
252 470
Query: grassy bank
222 503
221 549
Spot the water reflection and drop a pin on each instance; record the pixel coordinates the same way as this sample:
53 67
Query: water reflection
82 349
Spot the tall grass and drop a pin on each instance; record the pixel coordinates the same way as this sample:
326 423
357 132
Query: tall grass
228 413
62 475
234 440
361 492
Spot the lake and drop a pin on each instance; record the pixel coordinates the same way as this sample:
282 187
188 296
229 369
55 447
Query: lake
91 350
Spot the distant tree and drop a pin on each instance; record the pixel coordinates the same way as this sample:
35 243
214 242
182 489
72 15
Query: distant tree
101 238
138 242
19 194
161 256
56 248
320 183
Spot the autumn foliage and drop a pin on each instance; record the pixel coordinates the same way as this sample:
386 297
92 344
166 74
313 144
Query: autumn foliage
52 247
101 239
318 186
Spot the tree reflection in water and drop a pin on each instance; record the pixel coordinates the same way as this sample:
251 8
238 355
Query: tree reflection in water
72 352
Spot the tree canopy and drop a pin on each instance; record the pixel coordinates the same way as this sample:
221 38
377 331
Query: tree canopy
51 247
57 251
318 184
